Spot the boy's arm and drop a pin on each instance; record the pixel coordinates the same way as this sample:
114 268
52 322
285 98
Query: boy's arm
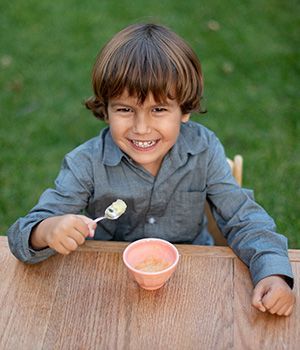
249 230
71 195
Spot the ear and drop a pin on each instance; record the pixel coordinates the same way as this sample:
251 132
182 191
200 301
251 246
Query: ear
185 117
106 116
104 111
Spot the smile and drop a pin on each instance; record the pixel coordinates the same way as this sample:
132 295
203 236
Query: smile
144 144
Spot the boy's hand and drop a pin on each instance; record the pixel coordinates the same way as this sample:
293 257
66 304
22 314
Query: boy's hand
274 295
63 233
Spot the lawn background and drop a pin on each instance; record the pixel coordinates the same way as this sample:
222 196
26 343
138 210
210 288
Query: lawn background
250 58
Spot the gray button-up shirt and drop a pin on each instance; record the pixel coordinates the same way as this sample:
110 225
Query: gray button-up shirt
168 206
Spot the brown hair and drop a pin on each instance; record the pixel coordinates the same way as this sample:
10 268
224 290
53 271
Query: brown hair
143 59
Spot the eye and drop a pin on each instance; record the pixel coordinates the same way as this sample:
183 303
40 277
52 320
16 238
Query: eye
124 110
159 109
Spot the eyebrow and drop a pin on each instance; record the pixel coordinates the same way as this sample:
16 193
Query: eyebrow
126 104
119 103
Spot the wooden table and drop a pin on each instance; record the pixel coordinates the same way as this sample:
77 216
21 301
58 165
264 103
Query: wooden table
88 301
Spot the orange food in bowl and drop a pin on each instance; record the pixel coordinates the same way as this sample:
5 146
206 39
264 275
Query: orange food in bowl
152 264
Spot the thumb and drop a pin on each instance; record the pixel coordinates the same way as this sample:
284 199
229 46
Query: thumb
92 227
258 293
90 223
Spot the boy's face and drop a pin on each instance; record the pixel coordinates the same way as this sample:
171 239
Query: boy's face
145 132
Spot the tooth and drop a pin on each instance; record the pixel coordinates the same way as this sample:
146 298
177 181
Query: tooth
144 144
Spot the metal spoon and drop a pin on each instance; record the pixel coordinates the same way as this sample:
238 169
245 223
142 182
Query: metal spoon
114 211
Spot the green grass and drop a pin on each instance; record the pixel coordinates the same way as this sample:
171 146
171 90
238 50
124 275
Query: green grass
251 69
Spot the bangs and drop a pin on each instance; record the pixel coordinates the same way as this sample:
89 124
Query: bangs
143 69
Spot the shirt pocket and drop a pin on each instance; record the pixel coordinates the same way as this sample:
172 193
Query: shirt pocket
186 212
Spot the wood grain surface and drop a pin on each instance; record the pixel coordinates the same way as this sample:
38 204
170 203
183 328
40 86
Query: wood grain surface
256 330
87 300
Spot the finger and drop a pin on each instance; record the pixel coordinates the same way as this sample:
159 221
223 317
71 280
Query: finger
283 309
92 230
260 306
87 220
289 310
90 223
69 244
277 306
257 298
78 236
87 226
81 227
270 299
61 249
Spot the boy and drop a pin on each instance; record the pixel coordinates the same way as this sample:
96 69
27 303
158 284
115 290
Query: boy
146 83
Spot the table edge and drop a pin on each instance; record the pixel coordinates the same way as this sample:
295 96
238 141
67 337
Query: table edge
184 249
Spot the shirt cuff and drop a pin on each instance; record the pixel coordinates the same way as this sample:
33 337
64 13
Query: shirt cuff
271 264
33 256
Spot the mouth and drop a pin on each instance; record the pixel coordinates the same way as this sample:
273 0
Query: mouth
144 145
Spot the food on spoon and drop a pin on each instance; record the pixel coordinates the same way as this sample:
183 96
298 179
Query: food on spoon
152 264
116 209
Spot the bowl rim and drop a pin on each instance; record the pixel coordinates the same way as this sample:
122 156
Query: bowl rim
171 245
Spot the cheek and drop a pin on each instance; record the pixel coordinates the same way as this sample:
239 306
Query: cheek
170 131
113 127
114 123
118 127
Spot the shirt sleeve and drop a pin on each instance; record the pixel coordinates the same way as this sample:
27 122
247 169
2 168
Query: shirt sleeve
73 188
249 230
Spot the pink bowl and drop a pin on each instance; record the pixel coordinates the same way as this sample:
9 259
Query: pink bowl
151 261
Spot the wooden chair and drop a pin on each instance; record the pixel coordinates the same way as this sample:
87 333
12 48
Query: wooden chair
237 170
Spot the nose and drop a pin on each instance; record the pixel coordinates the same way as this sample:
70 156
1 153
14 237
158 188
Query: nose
141 124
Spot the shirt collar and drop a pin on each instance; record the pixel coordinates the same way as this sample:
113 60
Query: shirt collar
112 154
192 139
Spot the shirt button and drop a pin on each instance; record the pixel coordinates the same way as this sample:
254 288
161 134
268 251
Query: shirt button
151 220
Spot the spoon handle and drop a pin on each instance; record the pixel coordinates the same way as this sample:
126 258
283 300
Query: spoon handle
99 219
